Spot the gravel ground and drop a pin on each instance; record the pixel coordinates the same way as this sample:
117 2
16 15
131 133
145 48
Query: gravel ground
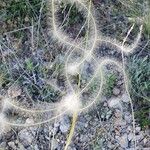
107 126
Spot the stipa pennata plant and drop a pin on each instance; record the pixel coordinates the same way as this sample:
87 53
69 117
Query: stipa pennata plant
81 52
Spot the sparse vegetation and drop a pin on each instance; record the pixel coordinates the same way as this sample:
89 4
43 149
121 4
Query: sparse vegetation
139 12
109 85
139 72
17 14
22 10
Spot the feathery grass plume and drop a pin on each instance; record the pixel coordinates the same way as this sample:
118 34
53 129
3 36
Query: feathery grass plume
62 36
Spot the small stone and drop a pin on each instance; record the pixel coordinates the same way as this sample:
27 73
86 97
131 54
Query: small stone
130 136
64 128
26 19
114 103
56 124
116 91
105 104
102 116
86 125
145 140
29 121
64 125
129 128
26 136
138 129
12 145
117 137
14 91
125 98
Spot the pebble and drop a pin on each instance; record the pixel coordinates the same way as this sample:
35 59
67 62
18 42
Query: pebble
86 125
12 145
130 136
125 98
138 129
64 125
116 91
14 91
114 103
26 136
145 140
64 128
29 121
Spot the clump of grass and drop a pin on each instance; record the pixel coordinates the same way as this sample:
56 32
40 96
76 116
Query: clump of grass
139 12
18 14
139 73
144 121
111 80
21 9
